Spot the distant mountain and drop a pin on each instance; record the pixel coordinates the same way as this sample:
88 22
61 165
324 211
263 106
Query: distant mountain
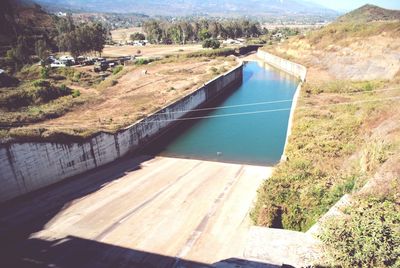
190 7
368 13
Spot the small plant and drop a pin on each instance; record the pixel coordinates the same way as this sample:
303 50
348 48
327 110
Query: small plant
117 69
214 70
76 93
142 61
41 83
44 72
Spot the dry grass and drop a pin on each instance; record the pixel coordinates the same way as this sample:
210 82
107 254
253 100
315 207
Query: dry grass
128 96
330 152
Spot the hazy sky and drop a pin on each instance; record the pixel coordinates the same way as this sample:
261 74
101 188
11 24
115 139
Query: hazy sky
352 4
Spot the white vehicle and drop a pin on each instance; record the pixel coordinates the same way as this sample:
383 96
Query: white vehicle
66 58
57 64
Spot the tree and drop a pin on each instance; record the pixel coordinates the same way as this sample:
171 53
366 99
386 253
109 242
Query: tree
153 31
42 51
211 43
137 36
99 37
19 54
187 31
204 34
214 29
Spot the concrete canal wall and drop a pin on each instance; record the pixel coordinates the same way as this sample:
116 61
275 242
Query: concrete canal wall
294 69
28 166
285 65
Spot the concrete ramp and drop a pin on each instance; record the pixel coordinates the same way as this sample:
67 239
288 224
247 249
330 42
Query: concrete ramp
282 247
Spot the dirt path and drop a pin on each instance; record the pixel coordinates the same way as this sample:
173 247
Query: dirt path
185 210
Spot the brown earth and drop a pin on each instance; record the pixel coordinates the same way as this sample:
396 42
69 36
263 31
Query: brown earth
335 52
149 50
137 93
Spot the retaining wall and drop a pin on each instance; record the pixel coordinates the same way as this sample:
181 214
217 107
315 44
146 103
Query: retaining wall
285 65
28 166
294 69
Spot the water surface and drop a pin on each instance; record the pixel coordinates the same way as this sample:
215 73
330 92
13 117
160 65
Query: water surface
242 138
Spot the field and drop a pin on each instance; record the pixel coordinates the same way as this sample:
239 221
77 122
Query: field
122 35
127 95
150 50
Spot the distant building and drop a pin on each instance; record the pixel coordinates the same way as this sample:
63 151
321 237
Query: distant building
61 14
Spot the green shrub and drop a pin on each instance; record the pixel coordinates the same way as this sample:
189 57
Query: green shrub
46 94
41 83
44 72
211 53
143 61
76 93
211 43
117 69
368 235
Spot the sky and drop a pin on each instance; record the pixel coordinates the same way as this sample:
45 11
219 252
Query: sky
346 5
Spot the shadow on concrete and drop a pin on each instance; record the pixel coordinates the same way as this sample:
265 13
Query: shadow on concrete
77 252
21 217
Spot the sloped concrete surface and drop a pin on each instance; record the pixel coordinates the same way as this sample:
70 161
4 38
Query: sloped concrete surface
282 247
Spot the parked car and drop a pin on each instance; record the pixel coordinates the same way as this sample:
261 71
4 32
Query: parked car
57 64
66 58
100 66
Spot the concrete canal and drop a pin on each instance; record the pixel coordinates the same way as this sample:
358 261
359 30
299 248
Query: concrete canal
248 126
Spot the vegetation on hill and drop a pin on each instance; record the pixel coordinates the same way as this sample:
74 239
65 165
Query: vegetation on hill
31 34
335 148
318 171
368 13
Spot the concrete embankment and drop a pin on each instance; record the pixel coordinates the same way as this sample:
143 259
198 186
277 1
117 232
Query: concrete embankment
292 68
28 166
285 65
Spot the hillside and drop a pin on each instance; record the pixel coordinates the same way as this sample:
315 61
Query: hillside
22 18
188 7
350 48
369 13
345 142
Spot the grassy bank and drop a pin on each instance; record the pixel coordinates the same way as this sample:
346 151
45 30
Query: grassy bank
329 153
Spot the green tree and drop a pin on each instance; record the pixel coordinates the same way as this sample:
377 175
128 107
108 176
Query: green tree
204 34
42 51
19 54
137 36
153 31
211 43
99 37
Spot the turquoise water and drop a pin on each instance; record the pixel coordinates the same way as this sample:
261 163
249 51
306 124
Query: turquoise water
250 138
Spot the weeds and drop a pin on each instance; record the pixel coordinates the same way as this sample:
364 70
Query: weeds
317 173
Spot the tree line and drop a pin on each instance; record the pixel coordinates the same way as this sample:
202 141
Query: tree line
183 31
66 36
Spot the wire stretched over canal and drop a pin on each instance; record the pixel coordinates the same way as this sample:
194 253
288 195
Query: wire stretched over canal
222 115
228 106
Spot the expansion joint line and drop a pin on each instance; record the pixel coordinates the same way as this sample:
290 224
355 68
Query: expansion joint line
194 237
112 227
